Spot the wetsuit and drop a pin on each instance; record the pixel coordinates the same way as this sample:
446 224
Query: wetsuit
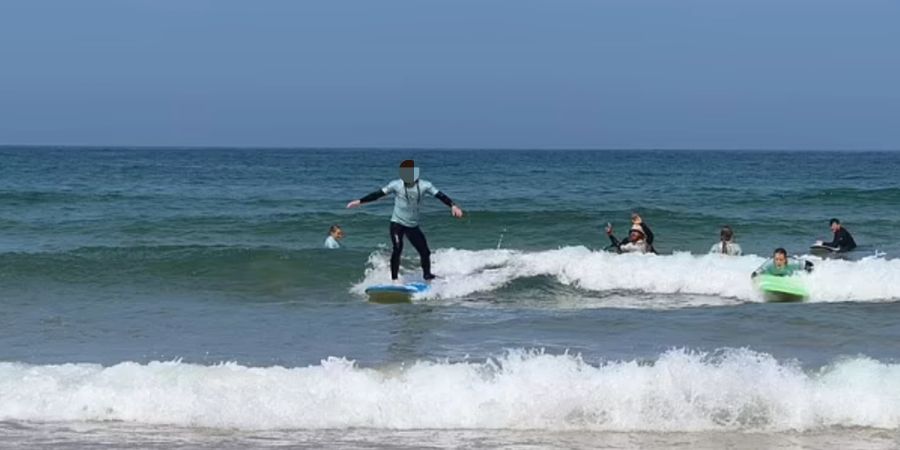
627 246
405 220
843 242
786 271
648 234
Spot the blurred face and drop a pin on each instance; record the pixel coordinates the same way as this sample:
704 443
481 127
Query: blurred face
409 175
635 236
780 259
338 234
835 227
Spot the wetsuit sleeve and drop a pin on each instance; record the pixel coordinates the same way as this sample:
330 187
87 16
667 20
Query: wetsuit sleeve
373 196
835 242
615 242
648 234
761 270
443 197
842 241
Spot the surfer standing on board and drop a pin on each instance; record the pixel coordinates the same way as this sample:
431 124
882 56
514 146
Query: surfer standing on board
408 192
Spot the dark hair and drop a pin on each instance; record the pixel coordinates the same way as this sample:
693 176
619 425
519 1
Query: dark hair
780 250
726 234
408 163
834 221
334 228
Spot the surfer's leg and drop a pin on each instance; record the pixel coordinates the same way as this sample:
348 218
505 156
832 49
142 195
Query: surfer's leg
397 231
417 239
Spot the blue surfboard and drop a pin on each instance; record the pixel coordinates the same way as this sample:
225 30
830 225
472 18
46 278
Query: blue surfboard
392 293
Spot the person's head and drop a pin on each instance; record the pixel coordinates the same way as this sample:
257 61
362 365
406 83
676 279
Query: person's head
779 257
409 173
636 234
336 232
726 234
835 225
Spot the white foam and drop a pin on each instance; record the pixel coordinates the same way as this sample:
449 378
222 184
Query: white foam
464 272
681 391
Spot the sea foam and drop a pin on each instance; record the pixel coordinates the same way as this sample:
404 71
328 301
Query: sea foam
464 272
732 389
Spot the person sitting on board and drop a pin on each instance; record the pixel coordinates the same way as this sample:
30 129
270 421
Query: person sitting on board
335 234
636 242
408 192
780 265
843 241
648 233
726 244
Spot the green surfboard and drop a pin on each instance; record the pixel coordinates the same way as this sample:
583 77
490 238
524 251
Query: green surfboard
782 289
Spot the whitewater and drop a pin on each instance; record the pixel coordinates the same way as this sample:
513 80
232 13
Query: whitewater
733 389
722 279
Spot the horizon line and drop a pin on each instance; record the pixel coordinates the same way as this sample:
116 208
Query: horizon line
433 148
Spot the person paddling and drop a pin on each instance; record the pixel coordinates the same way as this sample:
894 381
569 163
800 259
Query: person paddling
408 192
843 241
780 265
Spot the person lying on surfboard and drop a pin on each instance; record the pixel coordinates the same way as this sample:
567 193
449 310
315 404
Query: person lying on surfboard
408 192
636 242
780 267
843 241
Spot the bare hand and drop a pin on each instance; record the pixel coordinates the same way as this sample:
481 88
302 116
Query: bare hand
636 219
456 211
353 204
609 229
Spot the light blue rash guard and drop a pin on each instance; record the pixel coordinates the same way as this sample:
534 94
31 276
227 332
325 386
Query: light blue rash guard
408 200
331 242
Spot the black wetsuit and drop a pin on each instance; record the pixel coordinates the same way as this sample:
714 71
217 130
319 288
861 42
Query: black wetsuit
414 234
842 241
648 234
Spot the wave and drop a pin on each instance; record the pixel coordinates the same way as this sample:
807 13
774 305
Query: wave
709 278
733 389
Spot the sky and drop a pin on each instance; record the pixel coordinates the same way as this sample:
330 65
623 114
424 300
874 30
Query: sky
717 74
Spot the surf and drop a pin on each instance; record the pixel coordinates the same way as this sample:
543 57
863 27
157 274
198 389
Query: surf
468 272
681 390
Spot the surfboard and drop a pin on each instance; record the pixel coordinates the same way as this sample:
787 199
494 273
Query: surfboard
823 250
395 293
781 289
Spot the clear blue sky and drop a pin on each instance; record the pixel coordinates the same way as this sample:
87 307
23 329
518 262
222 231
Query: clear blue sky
519 73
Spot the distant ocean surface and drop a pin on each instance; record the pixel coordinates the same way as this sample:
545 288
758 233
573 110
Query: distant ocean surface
183 297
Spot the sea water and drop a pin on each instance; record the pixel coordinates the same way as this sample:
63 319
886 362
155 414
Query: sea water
183 297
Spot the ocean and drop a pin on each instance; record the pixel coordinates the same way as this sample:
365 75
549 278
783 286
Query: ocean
163 297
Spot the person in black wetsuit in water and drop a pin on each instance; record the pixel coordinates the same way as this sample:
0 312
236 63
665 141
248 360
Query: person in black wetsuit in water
843 241
636 220
408 193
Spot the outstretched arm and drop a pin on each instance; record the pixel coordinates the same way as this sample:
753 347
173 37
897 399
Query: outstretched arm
454 209
609 232
648 233
367 199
